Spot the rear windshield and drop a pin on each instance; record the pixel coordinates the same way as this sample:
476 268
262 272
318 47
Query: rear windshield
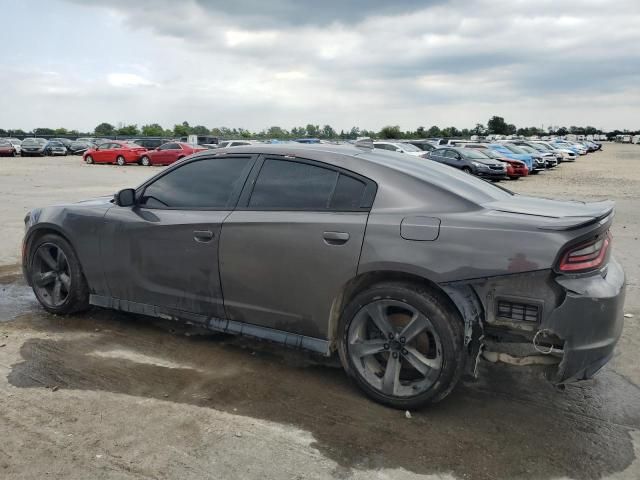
456 181
410 148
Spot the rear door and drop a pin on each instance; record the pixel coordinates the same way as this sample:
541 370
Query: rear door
292 243
164 250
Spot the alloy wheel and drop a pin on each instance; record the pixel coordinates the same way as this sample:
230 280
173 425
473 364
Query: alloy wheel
51 275
395 348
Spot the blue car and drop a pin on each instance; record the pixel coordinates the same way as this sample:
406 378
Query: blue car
527 159
307 140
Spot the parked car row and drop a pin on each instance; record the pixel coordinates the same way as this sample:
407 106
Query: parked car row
496 159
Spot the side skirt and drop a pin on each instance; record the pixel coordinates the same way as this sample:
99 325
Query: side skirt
292 340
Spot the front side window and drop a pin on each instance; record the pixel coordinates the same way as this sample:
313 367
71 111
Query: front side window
292 185
105 146
203 184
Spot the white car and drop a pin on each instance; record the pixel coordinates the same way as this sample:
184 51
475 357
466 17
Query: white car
233 143
400 148
17 144
567 155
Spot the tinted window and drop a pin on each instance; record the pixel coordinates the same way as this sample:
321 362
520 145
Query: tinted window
171 146
438 152
348 193
203 184
451 154
293 185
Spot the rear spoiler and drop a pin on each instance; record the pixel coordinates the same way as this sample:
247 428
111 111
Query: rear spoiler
572 223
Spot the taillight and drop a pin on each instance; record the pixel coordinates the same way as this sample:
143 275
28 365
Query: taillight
586 256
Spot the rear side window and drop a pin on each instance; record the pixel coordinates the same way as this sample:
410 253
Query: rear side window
291 185
348 193
204 184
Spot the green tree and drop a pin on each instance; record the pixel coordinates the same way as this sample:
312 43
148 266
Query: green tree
104 130
313 130
200 130
391 131
152 130
421 132
276 132
497 126
128 130
182 130
434 131
354 133
479 129
61 131
328 132
44 131
562 131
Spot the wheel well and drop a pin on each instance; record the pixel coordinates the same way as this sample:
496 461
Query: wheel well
40 232
366 280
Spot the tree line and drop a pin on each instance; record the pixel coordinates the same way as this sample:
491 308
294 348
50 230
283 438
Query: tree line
495 125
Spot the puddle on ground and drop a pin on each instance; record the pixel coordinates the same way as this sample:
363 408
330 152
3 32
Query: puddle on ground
16 297
510 424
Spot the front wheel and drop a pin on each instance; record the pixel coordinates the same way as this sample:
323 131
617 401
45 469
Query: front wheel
535 172
402 344
466 170
88 159
56 276
121 161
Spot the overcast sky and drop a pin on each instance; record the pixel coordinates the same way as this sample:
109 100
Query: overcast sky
257 63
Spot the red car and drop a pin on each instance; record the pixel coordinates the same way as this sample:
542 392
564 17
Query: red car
7 148
515 168
112 151
167 153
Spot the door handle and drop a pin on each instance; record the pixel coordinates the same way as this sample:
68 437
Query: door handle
335 238
203 236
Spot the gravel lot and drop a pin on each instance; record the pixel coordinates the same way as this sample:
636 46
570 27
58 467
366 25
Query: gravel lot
114 396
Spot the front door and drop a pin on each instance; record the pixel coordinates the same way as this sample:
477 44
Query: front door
292 244
163 252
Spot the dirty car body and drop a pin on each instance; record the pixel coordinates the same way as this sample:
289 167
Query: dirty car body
324 247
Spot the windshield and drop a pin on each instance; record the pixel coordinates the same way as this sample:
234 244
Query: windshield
409 148
513 148
470 153
33 141
490 153
527 148
55 144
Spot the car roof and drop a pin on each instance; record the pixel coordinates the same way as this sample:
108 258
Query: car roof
408 173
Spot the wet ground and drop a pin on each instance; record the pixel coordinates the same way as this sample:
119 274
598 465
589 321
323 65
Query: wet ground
110 395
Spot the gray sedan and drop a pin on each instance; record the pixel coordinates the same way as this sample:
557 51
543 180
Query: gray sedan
408 270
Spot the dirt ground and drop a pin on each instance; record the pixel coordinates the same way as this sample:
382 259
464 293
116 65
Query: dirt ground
114 396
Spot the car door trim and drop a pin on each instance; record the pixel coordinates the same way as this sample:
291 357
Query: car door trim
234 327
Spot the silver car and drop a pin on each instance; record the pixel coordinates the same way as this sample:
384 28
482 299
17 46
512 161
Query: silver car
406 269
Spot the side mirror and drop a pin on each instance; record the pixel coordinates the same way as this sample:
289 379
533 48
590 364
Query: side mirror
125 197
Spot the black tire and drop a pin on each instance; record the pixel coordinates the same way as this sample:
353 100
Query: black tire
145 161
467 170
77 291
121 161
443 319
88 159
514 178
535 172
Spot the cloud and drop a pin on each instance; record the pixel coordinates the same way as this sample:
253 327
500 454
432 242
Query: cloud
368 63
127 80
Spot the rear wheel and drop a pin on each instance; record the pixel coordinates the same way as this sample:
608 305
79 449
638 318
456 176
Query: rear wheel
145 161
56 276
402 345
120 160
88 159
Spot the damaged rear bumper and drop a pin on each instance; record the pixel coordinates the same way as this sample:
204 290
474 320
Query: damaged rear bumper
589 320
